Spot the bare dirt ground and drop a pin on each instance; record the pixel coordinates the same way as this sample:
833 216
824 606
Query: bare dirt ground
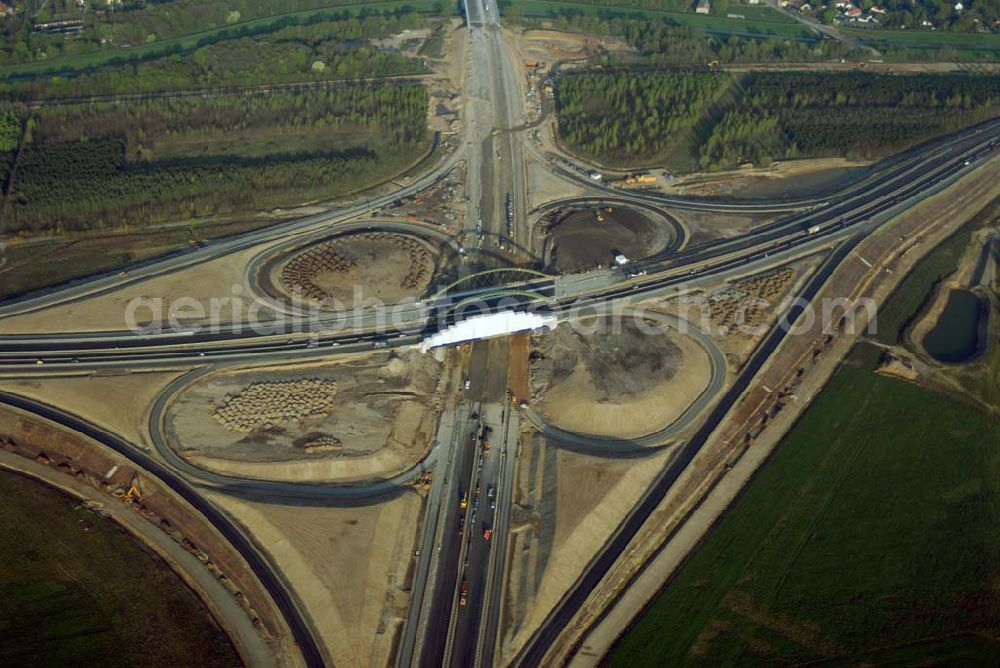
709 226
791 178
350 568
116 401
585 237
737 312
383 266
544 186
372 415
439 204
107 312
518 373
565 506
553 45
619 384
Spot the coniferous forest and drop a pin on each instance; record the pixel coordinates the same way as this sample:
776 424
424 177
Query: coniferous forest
726 120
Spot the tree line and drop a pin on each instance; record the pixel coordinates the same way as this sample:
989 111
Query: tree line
625 116
89 166
628 117
788 115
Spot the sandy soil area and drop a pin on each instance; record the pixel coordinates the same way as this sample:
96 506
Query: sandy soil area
792 178
348 566
117 402
544 186
551 45
373 415
387 267
217 279
623 385
709 226
566 506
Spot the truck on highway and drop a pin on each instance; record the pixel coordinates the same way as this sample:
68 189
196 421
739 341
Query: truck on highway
463 593
814 229
464 503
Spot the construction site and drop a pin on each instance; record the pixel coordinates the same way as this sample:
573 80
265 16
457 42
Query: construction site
384 266
580 238
616 378
368 416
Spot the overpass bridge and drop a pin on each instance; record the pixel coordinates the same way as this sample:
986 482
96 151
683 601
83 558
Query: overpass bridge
489 325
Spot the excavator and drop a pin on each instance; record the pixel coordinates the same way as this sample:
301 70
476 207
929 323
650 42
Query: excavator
134 491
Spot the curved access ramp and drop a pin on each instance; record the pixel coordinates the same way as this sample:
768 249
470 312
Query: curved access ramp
330 493
604 446
261 567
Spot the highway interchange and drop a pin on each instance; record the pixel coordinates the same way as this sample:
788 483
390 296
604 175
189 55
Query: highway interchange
458 583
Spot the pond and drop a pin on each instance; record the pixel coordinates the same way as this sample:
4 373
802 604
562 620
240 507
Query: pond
955 337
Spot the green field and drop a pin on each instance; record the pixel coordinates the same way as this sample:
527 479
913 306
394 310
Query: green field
76 590
928 39
761 21
158 48
870 535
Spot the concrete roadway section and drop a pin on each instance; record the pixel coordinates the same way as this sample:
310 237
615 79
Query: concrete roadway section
462 589
486 505
438 529
461 629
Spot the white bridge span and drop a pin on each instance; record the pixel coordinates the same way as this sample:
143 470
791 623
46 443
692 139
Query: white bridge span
487 326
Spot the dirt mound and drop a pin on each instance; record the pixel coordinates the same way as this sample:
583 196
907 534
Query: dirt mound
622 382
618 364
583 238
384 266
267 405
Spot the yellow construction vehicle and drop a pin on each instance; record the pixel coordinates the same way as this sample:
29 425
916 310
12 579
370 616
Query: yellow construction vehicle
134 491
